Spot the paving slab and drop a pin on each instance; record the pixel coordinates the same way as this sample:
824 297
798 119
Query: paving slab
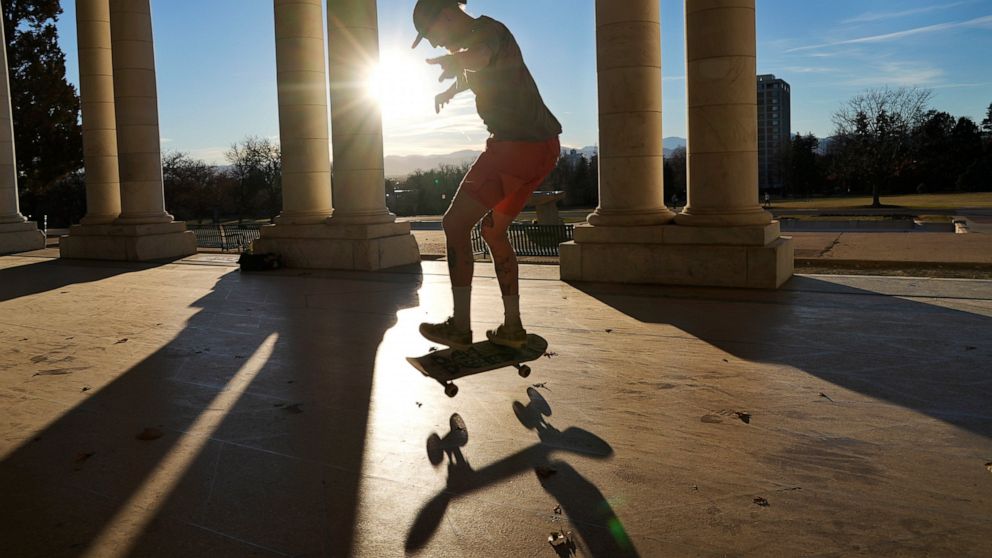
189 409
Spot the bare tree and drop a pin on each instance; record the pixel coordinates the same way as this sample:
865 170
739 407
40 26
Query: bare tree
875 129
257 166
903 108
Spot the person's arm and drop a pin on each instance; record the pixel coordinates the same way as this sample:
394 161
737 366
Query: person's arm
472 60
461 84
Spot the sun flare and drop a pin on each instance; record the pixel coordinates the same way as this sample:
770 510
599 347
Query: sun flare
400 82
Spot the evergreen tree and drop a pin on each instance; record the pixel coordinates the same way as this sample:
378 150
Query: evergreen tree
47 131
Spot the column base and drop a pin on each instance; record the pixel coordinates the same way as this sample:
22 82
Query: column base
339 246
749 217
630 218
129 243
746 257
20 237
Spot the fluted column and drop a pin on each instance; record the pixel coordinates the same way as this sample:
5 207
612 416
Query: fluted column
722 115
302 83
10 211
17 234
631 151
96 92
136 99
356 119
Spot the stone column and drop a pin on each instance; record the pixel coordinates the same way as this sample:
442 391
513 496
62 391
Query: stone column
96 92
16 233
722 115
356 118
631 152
361 234
144 230
302 83
136 98
732 242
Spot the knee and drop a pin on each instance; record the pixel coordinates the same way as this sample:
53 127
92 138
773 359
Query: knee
454 227
494 237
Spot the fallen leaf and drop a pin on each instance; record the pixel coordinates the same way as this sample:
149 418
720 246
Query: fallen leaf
761 502
560 538
149 434
83 456
545 472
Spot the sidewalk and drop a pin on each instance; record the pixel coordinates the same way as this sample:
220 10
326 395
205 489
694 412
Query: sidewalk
890 250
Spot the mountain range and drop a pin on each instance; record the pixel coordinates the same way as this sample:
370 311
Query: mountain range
399 166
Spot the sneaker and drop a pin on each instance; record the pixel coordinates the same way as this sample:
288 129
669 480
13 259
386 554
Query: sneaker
447 334
515 338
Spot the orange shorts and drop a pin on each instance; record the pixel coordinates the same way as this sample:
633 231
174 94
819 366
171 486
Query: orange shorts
508 172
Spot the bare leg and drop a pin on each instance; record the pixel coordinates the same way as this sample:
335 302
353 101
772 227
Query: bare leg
464 213
494 227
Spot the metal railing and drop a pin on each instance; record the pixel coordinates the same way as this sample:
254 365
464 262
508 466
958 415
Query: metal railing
527 239
225 237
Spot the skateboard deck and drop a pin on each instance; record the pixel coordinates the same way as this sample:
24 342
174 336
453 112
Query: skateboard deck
448 365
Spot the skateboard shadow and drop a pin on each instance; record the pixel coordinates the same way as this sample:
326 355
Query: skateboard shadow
588 510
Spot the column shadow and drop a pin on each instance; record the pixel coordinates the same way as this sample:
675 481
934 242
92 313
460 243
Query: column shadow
242 435
45 275
929 358
600 531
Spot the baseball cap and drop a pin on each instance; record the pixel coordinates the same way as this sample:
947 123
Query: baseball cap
426 11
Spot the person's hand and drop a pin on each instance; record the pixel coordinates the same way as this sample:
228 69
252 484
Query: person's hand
444 98
449 66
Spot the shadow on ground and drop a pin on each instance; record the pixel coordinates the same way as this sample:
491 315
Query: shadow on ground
919 354
249 425
584 505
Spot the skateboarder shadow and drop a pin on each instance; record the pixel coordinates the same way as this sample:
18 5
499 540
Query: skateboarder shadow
587 510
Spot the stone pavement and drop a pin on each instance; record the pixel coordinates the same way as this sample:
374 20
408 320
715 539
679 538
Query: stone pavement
894 248
188 409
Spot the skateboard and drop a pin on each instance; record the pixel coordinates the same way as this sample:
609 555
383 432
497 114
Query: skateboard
448 365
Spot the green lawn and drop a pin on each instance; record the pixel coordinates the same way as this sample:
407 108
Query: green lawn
922 201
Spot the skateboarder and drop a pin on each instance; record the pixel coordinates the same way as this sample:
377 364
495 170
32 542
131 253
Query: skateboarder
521 152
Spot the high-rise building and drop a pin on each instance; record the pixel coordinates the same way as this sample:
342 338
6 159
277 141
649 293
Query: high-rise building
774 130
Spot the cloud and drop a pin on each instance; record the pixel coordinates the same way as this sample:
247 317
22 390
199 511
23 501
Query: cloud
882 16
808 70
984 22
899 74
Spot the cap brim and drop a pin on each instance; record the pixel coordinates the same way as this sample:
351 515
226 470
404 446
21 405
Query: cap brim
420 37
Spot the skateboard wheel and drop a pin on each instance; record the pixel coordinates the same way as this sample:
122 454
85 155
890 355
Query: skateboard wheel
451 390
524 371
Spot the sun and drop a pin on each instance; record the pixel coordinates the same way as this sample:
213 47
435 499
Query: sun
400 83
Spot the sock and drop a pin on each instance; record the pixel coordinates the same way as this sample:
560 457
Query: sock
462 297
511 305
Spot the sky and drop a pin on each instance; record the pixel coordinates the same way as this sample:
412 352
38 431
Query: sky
216 69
